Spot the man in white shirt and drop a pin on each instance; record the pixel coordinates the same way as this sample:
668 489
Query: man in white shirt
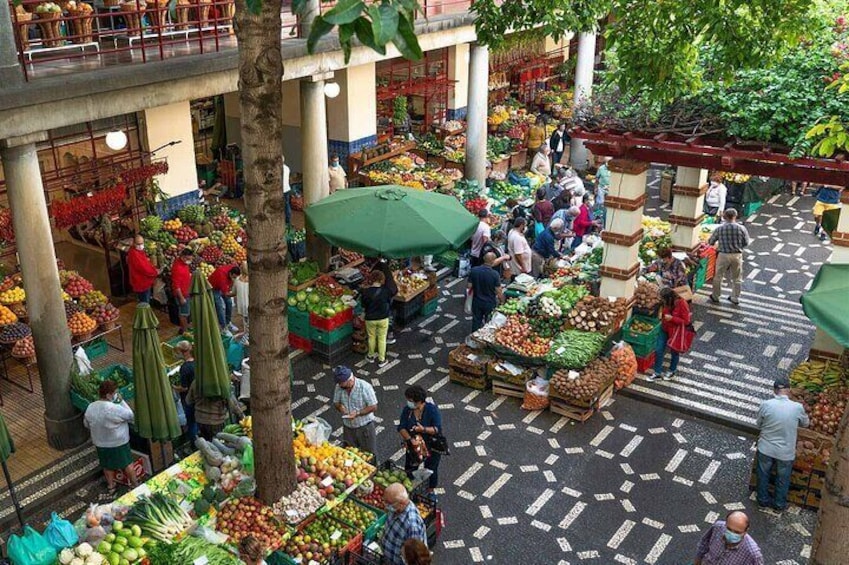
287 189
480 238
355 399
336 174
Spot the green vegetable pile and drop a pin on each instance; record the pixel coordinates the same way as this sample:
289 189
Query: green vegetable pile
574 349
188 550
302 272
567 296
512 306
502 190
294 235
192 214
150 225
85 386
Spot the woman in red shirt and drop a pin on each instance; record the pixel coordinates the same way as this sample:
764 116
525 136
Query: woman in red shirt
221 281
181 282
583 223
675 317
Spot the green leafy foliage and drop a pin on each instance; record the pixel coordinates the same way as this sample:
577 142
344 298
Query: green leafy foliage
374 25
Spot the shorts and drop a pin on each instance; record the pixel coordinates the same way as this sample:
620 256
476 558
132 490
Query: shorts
821 207
183 309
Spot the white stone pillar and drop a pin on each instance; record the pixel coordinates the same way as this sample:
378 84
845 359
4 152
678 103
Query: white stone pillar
314 163
623 229
45 307
163 125
476 113
584 68
458 71
352 114
687 207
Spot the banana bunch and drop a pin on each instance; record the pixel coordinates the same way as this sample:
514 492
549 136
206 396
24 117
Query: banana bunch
247 425
816 376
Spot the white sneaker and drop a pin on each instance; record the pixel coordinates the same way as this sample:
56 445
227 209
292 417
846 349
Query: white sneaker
226 333
232 327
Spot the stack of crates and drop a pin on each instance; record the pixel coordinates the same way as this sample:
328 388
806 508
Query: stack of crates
643 343
709 253
701 274
431 301
300 331
331 337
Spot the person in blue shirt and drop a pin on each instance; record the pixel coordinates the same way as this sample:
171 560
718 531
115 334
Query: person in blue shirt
420 421
485 286
545 242
828 198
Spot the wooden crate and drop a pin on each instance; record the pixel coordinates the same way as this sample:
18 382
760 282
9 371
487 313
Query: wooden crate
477 382
496 372
577 413
604 398
508 389
600 399
459 361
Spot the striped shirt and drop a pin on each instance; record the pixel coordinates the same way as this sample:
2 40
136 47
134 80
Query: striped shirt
731 236
361 396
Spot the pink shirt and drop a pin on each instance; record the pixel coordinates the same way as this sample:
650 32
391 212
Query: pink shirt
517 245
481 236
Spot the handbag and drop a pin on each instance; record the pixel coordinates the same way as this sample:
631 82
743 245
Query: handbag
439 444
682 338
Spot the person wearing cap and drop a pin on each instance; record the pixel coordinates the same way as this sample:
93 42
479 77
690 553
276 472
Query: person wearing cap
481 236
778 420
355 399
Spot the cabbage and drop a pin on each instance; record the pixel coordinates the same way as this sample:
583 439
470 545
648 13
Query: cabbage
66 556
84 550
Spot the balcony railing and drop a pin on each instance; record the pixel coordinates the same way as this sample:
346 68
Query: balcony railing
70 36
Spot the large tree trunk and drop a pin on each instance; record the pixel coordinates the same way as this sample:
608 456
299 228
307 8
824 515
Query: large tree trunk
831 544
260 96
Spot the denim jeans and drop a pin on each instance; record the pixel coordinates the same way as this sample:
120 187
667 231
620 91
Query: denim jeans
480 314
191 423
782 480
145 295
223 308
660 351
287 196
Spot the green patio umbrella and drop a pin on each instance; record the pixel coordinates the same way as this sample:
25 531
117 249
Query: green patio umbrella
392 221
7 447
212 377
155 411
829 220
826 304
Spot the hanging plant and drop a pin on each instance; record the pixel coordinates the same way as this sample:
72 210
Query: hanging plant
144 172
68 213
399 115
7 230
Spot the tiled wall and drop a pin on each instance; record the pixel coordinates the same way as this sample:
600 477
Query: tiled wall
167 209
345 148
456 113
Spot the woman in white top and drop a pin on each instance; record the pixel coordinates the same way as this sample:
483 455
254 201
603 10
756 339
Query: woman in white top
108 420
518 248
541 164
715 196
240 287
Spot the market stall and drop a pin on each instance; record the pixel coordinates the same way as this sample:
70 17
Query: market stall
198 510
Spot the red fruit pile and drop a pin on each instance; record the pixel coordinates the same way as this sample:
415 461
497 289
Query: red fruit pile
241 517
78 286
211 254
185 234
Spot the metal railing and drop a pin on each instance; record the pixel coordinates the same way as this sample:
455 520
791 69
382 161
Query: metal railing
83 35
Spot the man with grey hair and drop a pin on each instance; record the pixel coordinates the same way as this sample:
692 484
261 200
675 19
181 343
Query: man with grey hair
403 522
728 542
730 240
778 420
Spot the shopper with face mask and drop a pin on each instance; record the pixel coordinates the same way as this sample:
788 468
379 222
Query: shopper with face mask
420 423
727 542
337 176
403 522
141 271
108 418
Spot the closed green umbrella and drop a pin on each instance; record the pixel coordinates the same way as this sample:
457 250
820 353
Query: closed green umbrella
155 411
392 221
212 378
7 447
826 304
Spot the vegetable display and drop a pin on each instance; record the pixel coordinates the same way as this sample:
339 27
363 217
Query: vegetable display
159 517
299 505
574 349
241 517
598 314
518 336
587 384
647 296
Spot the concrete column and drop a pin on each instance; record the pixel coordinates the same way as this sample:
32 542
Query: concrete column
584 67
623 230
314 157
352 115
476 113
10 70
687 205
458 71
165 124
44 293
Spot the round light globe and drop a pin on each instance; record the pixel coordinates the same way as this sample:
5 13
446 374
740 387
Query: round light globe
332 89
116 140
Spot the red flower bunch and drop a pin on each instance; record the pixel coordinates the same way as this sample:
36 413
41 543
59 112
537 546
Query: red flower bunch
476 205
84 208
144 172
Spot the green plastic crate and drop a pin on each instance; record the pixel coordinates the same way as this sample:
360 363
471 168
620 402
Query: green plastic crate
298 327
79 402
430 307
751 207
377 514
374 530
639 339
128 391
643 350
333 336
96 349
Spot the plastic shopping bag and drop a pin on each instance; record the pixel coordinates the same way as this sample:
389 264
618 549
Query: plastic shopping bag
536 394
421 474
317 431
31 549
467 305
60 533
83 362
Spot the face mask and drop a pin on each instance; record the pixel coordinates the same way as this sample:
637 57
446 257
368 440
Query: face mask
140 247
733 537
411 405
334 164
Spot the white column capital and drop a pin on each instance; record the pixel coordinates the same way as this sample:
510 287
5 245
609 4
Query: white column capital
11 142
